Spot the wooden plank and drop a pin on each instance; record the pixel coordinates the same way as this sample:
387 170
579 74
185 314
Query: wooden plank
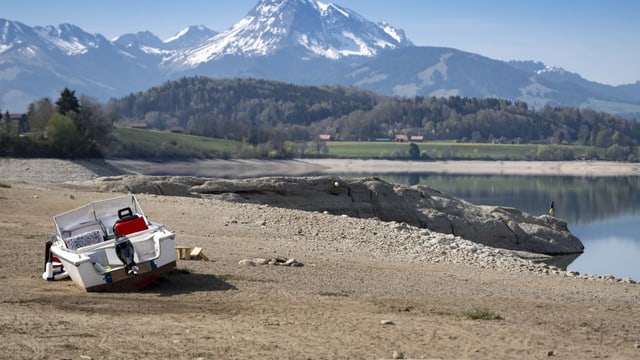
198 254
183 252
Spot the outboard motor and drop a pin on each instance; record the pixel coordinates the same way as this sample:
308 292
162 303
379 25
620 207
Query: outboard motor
125 252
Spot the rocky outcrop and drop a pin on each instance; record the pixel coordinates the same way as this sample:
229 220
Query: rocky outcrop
421 206
496 226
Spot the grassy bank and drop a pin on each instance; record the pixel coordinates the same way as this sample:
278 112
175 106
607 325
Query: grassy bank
164 144
445 150
147 143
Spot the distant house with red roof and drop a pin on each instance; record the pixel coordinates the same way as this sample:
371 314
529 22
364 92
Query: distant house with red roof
140 125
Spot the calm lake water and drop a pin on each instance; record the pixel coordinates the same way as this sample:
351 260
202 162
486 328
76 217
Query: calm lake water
603 212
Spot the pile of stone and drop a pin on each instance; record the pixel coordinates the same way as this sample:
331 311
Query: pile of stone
281 261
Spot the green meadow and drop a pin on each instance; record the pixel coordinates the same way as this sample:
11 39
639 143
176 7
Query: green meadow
443 150
138 142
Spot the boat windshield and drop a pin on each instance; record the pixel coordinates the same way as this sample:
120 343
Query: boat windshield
102 213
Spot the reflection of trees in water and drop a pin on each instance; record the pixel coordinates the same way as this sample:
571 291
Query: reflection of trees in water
577 199
413 179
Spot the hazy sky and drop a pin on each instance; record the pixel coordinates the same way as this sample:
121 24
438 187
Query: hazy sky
598 39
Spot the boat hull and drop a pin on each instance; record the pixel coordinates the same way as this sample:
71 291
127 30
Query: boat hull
129 283
97 269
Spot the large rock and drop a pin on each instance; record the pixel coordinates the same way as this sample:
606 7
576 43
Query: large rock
421 206
497 226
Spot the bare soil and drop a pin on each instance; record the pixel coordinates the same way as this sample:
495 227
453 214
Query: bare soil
343 303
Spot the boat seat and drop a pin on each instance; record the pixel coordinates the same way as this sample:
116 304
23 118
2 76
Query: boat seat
129 223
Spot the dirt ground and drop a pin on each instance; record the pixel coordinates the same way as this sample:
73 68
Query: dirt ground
340 304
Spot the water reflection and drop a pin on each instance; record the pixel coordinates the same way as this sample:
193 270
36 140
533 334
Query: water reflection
602 212
562 261
612 247
609 256
577 199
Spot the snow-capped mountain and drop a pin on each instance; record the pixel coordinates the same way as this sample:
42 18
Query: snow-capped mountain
139 40
145 42
325 30
18 39
189 36
298 41
143 46
37 62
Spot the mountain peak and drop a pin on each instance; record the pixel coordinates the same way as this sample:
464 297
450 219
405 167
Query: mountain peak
552 69
189 36
318 29
146 38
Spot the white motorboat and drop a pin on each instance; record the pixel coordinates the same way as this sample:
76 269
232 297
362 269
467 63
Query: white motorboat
109 245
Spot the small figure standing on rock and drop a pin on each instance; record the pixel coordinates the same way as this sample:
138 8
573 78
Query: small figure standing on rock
552 209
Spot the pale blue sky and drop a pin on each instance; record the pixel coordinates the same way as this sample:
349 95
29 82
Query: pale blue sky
598 39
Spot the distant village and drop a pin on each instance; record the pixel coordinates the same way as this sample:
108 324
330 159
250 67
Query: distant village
329 137
398 138
322 137
21 120
420 138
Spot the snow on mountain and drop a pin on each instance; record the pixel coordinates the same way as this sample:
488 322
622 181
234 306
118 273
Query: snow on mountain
11 31
297 41
66 39
178 35
139 39
538 68
398 35
13 35
141 45
321 29
551 69
145 43
189 36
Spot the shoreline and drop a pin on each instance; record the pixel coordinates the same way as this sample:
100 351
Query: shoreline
40 170
307 167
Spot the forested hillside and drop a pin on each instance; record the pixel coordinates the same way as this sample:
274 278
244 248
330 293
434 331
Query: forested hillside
266 119
258 111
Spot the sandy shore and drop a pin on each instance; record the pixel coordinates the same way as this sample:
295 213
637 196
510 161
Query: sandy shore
52 170
252 168
351 299
569 168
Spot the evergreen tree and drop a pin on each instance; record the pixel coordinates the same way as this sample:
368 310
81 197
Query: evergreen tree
68 102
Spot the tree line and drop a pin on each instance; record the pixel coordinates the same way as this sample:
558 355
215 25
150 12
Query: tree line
71 127
269 118
260 111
